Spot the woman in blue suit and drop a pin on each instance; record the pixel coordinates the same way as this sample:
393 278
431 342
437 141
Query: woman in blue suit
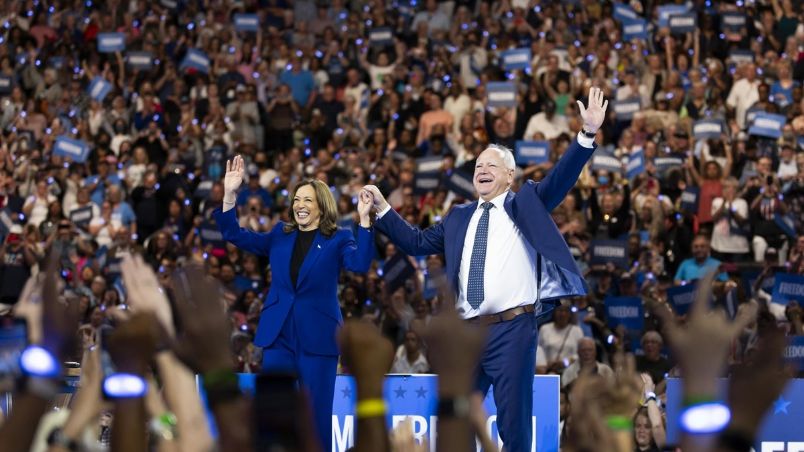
301 313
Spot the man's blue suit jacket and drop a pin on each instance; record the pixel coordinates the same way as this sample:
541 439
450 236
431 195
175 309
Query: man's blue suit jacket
316 312
529 209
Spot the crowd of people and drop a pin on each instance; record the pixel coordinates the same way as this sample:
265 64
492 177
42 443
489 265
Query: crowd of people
357 93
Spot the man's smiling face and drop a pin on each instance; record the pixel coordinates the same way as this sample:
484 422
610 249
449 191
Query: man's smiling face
492 177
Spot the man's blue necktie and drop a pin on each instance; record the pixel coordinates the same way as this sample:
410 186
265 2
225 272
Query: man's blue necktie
474 292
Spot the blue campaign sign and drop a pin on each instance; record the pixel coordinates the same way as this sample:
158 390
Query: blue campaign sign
708 128
665 11
625 311
779 431
396 271
6 84
195 59
665 164
246 22
381 36
211 235
623 12
636 164
681 297
111 42
68 147
429 164
602 160
749 278
625 109
532 152
614 251
794 352
140 60
501 94
739 56
689 199
788 287
99 88
516 59
460 183
732 21
682 23
767 125
635 29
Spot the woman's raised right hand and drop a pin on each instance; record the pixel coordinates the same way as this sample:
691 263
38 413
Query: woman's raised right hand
235 170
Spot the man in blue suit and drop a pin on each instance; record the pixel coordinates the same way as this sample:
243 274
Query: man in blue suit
300 314
504 258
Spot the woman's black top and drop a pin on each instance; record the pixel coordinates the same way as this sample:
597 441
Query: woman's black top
304 240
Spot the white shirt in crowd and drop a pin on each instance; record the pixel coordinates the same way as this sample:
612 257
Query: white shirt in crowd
572 372
742 96
550 128
724 240
403 366
557 344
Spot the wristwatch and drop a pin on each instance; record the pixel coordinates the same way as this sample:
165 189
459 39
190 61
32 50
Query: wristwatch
456 408
588 134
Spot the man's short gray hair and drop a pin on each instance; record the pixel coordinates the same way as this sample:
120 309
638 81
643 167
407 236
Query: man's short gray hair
506 154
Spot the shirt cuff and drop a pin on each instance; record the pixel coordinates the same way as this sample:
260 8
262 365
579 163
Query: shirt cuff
585 141
227 206
383 212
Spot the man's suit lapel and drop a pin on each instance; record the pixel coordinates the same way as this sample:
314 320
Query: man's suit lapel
508 204
319 242
462 224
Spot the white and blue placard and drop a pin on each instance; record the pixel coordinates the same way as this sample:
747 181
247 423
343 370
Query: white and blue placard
626 108
140 60
516 59
460 183
111 42
732 21
788 287
794 352
740 56
708 128
604 161
501 94
532 152
99 88
623 12
635 29
246 22
614 251
767 125
665 11
6 84
81 216
77 150
636 164
689 199
381 36
195 59
211 235
429 165
626 311
396 271
425 182
665 164
682 297
683 23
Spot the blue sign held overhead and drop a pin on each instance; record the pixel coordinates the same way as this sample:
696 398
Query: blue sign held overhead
460 183
689 199
195 59
516 59
732 21
381 36
111 42
767 125
614 251
635 29
683 23
665 164
396 271
532 152
140 60
788 287
246 22
624 12
708 128
636 164
501 94
625 109
625 311
682 297
604 161
99 88
77 150
665 11
741 56
6 84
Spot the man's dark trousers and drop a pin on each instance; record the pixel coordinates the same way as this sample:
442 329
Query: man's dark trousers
508 362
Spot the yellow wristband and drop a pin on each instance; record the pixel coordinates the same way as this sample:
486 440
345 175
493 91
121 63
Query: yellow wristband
371 408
